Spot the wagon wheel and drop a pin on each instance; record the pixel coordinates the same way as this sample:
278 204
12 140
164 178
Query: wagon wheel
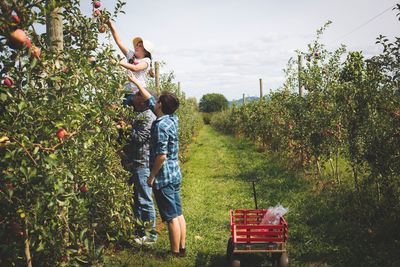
235 260
232 258
275 259
229 249
280 259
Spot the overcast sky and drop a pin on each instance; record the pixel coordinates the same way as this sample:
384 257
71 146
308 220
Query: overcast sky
225 46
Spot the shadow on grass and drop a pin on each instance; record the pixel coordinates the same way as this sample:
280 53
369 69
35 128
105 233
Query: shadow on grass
249 260
246 260
206 259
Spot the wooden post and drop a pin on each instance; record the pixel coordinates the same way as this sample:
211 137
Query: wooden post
54 29
157 73
300 69
244 100
261 89
337 167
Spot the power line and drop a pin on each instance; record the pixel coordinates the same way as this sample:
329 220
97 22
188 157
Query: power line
367 22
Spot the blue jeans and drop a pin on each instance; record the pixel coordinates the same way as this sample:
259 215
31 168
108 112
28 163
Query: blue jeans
143 206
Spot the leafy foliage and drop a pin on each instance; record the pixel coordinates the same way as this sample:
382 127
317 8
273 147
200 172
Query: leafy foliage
63 194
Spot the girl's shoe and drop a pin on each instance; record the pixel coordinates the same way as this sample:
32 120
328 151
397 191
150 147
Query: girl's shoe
145 240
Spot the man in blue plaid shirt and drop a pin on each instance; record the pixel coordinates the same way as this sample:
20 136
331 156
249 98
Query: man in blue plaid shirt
165 175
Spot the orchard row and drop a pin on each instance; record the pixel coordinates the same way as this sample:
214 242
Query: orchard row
346 125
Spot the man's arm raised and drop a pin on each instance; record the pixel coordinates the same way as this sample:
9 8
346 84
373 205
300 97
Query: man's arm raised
146 95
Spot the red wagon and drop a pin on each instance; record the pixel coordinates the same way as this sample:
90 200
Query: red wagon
249 235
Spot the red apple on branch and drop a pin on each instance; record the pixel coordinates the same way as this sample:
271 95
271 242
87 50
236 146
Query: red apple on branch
18 39
61 133
102 29
28 43
97 4
15 19
97 13
8 82
84 189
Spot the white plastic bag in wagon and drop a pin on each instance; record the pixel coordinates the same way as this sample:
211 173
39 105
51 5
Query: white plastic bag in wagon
274 214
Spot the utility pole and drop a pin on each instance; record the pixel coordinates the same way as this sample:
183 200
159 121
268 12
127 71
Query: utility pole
261 90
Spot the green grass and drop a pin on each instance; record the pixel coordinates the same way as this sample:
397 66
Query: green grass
323 228
216 179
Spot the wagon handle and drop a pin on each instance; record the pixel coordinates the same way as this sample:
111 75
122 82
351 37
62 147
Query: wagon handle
254 193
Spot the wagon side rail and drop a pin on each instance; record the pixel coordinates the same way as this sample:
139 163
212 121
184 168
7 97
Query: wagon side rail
249 235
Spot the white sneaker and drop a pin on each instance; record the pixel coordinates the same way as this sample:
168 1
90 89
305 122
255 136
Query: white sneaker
145 240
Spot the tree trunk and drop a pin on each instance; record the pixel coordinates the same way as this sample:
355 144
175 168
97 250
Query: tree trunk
28 253
54 29
332 168
54 34
319 172
27 246
356 183
337 167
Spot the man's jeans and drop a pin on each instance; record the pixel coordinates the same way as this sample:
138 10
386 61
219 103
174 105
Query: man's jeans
143 206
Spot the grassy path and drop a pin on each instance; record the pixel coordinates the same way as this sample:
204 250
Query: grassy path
216 173
215 180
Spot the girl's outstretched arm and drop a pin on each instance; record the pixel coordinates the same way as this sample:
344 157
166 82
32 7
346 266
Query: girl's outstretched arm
117 39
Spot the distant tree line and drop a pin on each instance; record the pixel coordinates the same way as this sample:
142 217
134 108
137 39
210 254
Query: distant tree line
213 103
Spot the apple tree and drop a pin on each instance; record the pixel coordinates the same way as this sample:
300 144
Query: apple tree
63 194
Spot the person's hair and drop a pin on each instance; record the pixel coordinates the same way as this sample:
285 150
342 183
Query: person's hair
151 71
147 53
131 102
169 101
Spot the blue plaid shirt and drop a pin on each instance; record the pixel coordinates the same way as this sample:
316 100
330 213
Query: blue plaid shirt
164 141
